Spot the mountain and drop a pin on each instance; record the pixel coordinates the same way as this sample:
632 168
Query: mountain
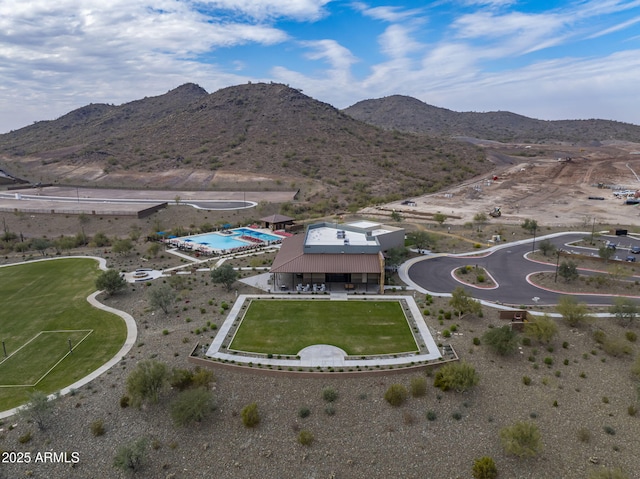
407 114
246 136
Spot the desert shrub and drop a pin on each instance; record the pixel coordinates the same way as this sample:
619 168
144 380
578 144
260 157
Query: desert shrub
542 329
25 438
37 410
526 380
584 435
431 415
124 402
599 336
476 341
446 333
484 468
202 377
329 409
631 336
329 394
250 415
548 361
181 379
502 341
605 473
396 395
192 405
522 439
418 386
130 456
632 410
305 437
616 347
459 377
97 427
609 430
304 412
146 381
635 368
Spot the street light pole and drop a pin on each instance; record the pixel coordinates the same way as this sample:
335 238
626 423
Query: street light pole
533 248
555 280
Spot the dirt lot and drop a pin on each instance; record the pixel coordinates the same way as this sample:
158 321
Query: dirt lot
533 183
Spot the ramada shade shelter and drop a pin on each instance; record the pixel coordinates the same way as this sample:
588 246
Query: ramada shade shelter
332 257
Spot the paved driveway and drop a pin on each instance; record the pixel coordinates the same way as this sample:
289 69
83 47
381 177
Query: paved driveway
509 267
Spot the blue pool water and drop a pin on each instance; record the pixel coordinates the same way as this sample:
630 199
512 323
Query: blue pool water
228 241
257 234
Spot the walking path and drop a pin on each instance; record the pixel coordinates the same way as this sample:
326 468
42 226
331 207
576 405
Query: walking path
132 334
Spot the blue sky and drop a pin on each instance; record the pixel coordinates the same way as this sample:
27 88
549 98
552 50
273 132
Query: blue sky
556 59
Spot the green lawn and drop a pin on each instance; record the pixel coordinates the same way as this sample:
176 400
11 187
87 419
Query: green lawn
51 296
360 328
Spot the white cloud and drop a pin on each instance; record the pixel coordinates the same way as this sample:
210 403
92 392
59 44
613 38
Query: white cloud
269 9
392 14
616 28
396 41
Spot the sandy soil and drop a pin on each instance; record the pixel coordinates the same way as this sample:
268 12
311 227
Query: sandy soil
553 192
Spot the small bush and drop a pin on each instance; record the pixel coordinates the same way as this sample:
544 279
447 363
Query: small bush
97 427
584 435
526 380
460 377
484 468
604 473
616 347
124 402
305 437
329 409
632 410
548 361
396 395
431 415
476 341
522 439
165 332
250 415
456 415
631 336
25 438
609 430
304 412
418 386
329 394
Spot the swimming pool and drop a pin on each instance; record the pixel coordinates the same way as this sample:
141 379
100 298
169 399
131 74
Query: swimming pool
257 234
227 241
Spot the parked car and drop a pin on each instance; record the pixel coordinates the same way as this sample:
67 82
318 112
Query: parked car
611 245
631 259
635 249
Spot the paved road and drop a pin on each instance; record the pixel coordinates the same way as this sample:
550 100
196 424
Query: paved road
509 267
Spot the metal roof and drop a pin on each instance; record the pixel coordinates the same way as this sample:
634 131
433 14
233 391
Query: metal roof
291 259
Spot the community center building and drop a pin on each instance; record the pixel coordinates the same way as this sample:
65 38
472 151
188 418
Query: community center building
335 257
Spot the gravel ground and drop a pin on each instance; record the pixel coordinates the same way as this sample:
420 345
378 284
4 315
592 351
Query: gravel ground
366 437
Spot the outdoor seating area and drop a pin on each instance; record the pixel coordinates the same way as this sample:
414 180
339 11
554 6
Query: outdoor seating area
316 288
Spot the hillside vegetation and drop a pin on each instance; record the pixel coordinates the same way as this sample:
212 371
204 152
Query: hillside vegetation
253 136
408 114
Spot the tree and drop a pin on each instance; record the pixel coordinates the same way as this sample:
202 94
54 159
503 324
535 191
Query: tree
122 246
41 245
503 341
543 329
130 456
224 274
110 281
480 219
522 439
192 405
568 270
101 240
462 302
395 256
421 239
440 218
547 247
606 253
38 409
459 377
625 309
146 381
484 468
162 297
530 225
65 243
395 216
573 313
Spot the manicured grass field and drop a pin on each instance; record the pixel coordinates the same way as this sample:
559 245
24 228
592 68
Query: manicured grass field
360 328
51 296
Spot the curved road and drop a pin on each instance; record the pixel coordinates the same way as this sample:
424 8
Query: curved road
508 266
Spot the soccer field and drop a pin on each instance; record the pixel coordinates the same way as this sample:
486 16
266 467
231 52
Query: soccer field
44 307
360 328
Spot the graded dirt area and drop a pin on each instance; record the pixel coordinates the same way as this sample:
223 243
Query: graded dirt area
549 183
